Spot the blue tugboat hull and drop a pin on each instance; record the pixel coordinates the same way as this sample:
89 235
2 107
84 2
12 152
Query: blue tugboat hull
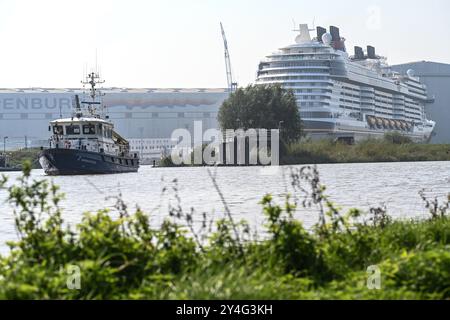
78 162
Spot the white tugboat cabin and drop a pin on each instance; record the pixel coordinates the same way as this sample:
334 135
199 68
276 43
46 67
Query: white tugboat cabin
88 134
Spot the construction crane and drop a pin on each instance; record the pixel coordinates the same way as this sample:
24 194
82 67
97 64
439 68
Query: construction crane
232 86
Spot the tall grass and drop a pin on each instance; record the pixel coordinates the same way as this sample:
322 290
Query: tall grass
374 150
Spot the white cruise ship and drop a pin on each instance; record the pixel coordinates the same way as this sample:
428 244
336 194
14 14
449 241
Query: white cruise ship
347 97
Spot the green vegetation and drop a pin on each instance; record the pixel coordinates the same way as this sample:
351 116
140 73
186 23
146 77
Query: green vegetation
128 258
16 158
391 149
262 107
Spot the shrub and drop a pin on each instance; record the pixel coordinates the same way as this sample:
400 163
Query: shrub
291 245
427 272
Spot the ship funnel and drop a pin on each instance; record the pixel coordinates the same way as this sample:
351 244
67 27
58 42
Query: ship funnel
371 52
359 53
335 34
320 32
337 41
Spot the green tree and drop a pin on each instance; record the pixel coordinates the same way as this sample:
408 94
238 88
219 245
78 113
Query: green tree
262 107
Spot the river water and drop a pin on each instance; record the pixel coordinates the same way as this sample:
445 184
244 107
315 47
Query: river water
396 185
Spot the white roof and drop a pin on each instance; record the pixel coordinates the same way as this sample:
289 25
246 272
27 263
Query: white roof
82 119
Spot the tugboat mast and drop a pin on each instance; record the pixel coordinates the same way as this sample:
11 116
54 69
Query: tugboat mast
93 79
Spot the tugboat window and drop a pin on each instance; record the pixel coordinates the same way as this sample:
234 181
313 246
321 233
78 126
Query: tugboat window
58 130
89 129
72 130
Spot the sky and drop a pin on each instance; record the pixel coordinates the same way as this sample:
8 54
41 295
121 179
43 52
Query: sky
178 44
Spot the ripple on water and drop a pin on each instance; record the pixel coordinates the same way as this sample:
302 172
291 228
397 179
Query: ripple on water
349 185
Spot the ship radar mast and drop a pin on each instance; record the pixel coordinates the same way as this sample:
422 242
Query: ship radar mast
93 79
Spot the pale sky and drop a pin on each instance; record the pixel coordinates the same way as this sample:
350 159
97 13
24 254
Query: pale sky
177 43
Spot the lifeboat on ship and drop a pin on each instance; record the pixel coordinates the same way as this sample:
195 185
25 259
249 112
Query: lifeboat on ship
372 121
392 124
403 125
379 122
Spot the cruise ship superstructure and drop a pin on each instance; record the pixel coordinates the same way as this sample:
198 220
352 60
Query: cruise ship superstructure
347 97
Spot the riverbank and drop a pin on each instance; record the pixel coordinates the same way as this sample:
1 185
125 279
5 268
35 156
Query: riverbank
350 256
330 152
368 151
17 158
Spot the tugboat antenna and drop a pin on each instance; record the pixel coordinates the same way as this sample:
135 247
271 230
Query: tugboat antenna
93 79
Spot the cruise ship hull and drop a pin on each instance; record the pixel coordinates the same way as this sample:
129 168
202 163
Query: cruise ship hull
356 131
79 162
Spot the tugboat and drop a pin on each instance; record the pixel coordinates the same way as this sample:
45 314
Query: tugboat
87 143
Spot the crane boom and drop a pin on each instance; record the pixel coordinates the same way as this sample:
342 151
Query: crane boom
232 86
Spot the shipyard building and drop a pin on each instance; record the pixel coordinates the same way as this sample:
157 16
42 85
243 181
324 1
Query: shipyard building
139 114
